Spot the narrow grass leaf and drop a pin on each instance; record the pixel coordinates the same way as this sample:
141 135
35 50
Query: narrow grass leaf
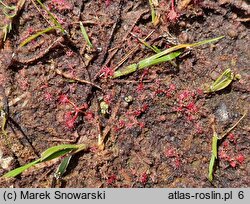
214 145
211 168
21 169
57 149
85 35
34 36
62 167
145 63
181 46
153 59
153 15
49 154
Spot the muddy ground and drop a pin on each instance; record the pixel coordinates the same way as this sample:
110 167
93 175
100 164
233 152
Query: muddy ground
158 124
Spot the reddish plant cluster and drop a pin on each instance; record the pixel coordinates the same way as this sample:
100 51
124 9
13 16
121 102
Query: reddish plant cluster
106 72
111 179
140 86
107 2
70 117
131 119
171 153
226 152
169 92
173 15
144 178
60 5
186 104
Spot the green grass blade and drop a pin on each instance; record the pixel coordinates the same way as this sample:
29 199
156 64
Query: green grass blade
153 15
155 59
21 169
145 63
85 35
181 46
211 168
55 149
214 145
62 167
52 17
34 36
49 154
7 7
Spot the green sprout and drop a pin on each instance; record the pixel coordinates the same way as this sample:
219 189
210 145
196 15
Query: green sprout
214 155
154 16
104 107
85 35
62 167
222 81
34 36
49 154
163 56
215 141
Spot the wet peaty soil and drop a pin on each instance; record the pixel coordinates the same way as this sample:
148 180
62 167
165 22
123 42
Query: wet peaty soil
157 122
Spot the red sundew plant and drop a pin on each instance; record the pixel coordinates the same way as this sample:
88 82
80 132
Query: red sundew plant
69 119
240 158
111 179
140 87
48 96
144 178
106 72
89 116
232 138
107 2
170 152
173 15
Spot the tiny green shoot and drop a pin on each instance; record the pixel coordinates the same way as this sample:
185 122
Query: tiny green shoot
62 167
211 168
85 35
222 81
215 141
104 107
164 56
34 36
49 154
153 16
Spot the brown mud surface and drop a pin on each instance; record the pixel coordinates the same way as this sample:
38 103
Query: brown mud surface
158 124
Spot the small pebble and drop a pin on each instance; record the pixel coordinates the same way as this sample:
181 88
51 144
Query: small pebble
221 112
232 33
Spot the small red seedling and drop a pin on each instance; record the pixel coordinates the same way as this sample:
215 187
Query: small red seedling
173 15
233 163
144 178
232 138
89 116
111 179
240 158
106 72
48 96
70 120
